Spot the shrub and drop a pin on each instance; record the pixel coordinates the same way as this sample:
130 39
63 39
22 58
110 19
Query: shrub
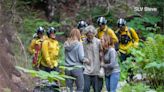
149 58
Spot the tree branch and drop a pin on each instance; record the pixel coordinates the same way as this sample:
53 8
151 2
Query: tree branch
23 48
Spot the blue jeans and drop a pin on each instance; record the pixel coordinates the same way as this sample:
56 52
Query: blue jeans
94 81
112 81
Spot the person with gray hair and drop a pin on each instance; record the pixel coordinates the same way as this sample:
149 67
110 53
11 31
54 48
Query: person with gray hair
91 29
92 50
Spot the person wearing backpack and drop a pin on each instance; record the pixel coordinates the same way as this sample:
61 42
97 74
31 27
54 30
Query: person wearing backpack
50 52
35 46
127 38
104 29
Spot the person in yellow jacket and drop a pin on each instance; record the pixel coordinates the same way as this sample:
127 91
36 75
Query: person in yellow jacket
127 38
38 38
81 26
35 46
104 29
50 52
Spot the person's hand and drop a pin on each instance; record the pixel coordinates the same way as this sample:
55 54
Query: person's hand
86 61
135 44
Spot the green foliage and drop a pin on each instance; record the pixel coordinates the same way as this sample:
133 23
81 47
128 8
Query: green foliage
145 24
86 13
160 89
30 24
123 74
138 87
61 56
52 76
97 11
149 58
153 3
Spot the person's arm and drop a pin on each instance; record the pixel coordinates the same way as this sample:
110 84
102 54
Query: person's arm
81 52
101 53
97 35
85 60
45 52
31 48
112 59
113 35
134 37
57 48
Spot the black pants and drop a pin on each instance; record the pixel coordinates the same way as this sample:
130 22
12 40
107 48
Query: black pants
47 69
123 56
94 81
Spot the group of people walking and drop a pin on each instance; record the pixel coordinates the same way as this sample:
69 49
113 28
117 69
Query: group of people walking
93 49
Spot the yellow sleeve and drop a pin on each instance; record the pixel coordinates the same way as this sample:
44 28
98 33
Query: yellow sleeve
57 48
113 35
135 37
125 48
45 52
31 48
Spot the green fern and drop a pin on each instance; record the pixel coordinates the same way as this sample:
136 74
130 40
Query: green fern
150 59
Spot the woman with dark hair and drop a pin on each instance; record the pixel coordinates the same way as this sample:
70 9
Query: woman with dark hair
111 66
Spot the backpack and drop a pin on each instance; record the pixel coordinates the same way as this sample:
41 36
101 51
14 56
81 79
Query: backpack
37 55
124 39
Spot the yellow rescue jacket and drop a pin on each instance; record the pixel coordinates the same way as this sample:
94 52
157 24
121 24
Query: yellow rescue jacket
35 41
82 38
50 52
123 48
109 31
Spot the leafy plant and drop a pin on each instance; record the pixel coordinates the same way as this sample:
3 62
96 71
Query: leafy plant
52 76
149 58
137 87
145 24
153 3
61 56
160 89
123 74
30 24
